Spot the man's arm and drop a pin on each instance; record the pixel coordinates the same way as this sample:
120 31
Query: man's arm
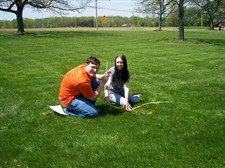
107 87
100 88
106 74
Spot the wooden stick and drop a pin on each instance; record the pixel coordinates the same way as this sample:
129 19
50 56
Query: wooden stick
147 104
111 105
106 66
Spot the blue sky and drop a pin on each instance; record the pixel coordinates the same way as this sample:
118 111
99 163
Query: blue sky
105 7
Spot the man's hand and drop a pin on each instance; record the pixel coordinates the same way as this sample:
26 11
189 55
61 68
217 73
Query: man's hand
106 98
108 73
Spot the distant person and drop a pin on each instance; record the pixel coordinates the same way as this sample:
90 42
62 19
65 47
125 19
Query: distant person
220 26
81 87
117 86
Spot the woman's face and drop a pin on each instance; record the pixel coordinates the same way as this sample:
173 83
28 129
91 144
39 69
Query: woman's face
119 63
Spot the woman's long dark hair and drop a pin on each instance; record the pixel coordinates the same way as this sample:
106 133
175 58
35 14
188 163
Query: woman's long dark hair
122 74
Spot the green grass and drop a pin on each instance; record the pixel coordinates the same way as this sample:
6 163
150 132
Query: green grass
188 130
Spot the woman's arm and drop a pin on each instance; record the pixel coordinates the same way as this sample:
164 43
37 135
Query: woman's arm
127 105
107 87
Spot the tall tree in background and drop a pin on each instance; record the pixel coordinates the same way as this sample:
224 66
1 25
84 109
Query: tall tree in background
17 7
161 8
221 12
209 7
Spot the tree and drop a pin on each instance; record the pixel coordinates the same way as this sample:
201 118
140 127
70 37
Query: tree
57 6
161 8
221 12
193 16
209 7
181 19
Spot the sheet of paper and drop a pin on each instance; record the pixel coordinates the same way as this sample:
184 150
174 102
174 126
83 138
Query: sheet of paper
58 109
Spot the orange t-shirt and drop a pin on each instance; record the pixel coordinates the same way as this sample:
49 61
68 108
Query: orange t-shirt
75 83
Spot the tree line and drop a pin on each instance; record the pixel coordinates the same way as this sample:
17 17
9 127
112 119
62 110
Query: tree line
192 18
168 13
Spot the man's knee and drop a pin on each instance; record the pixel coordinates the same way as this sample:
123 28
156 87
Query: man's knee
91 113
82 112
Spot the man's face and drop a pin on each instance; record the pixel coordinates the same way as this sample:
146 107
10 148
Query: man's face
92 69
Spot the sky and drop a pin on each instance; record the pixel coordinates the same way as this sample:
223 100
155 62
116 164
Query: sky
104 7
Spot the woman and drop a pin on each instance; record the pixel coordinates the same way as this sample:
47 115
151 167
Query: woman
117 86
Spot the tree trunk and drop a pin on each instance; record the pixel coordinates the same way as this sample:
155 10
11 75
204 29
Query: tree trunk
19 17
181 20
160 25
211 22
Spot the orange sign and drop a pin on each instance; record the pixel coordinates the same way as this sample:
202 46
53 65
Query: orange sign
104 18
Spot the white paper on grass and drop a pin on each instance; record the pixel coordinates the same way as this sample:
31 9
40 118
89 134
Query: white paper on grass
58 109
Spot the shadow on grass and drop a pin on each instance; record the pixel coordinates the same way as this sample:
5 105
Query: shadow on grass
67 34
104 110
108 110
60 34
216 42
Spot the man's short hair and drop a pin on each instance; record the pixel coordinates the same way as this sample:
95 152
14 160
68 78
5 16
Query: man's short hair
93 60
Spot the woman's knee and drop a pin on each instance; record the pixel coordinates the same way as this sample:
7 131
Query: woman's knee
134 99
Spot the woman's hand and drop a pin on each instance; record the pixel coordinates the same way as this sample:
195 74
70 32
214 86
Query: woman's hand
127 106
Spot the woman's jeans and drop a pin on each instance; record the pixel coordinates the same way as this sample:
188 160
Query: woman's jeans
83 107
119 97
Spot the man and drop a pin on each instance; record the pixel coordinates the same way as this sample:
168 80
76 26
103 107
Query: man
81 87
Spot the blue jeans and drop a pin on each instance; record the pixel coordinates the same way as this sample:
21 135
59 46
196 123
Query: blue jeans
118 97
83 107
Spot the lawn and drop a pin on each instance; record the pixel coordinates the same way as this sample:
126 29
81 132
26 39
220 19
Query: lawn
187 129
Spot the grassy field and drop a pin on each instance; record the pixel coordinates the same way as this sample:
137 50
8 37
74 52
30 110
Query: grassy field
186 130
